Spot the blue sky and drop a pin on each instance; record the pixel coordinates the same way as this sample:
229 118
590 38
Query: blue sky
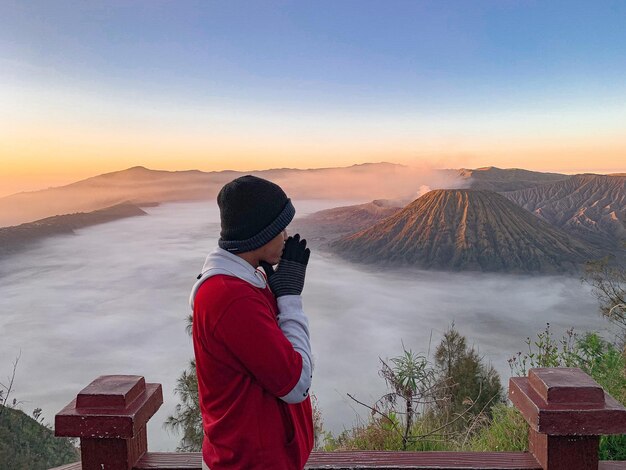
342 53
412 75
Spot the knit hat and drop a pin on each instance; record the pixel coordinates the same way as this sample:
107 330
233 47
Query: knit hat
253 211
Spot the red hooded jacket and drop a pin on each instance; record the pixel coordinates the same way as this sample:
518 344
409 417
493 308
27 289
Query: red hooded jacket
244 363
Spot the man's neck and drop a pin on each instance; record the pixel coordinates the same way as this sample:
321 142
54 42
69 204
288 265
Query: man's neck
250 257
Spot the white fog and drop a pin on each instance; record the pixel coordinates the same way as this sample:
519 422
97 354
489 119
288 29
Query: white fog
113 300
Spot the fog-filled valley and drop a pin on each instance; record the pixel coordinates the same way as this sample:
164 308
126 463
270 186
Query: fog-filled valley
113 299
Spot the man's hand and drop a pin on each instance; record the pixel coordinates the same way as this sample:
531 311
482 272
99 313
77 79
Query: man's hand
288 278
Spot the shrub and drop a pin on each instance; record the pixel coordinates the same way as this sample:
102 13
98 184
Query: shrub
506 430
428 407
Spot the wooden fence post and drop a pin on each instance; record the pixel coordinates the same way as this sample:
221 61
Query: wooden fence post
567 412
110 417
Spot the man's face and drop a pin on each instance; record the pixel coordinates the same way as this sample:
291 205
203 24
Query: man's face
272 251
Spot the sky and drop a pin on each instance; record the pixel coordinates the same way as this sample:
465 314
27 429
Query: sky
90 87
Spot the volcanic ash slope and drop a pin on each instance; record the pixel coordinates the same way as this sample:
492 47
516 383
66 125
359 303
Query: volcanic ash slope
466 230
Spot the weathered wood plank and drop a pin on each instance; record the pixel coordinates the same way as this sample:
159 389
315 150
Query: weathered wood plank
69 466
567 385
369 459
422 460
607 465
170 461
111 391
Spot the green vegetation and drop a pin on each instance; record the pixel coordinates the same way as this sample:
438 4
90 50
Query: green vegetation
187 418
608 281
429 406
381 433
464 410
27 444
506 431
470 381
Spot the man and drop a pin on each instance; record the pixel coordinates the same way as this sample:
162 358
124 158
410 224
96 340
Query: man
251 339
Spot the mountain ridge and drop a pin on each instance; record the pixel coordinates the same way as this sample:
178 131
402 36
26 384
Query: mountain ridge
331 223
366 181
498 179
591 207
139 185
16 238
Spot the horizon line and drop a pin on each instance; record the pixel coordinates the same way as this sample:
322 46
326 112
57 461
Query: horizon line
604 172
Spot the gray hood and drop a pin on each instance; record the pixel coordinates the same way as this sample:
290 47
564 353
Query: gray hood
220 261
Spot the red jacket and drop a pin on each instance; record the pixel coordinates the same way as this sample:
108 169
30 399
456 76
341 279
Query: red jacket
244 363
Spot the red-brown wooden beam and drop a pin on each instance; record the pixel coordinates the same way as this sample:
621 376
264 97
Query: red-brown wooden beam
364 460
110 416
566 411
565 419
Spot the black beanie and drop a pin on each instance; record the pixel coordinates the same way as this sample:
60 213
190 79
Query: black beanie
253 211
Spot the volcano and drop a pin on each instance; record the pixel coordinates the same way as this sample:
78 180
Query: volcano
466 230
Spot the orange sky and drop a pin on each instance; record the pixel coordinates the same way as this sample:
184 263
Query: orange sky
54 136
36 153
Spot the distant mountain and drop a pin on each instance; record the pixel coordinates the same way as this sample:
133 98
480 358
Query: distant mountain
140 185
13 239
363 182
592 207
466 230
136 185
511 179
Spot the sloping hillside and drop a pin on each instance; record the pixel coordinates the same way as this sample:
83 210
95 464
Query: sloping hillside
332 223
13 239
26 444
592 207
136 185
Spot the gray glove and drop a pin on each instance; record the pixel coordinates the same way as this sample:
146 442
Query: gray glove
288 278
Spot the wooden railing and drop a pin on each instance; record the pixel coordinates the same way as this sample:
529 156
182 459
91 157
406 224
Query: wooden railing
566 411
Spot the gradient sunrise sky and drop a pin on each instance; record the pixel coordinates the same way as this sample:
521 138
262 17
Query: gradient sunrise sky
88 87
